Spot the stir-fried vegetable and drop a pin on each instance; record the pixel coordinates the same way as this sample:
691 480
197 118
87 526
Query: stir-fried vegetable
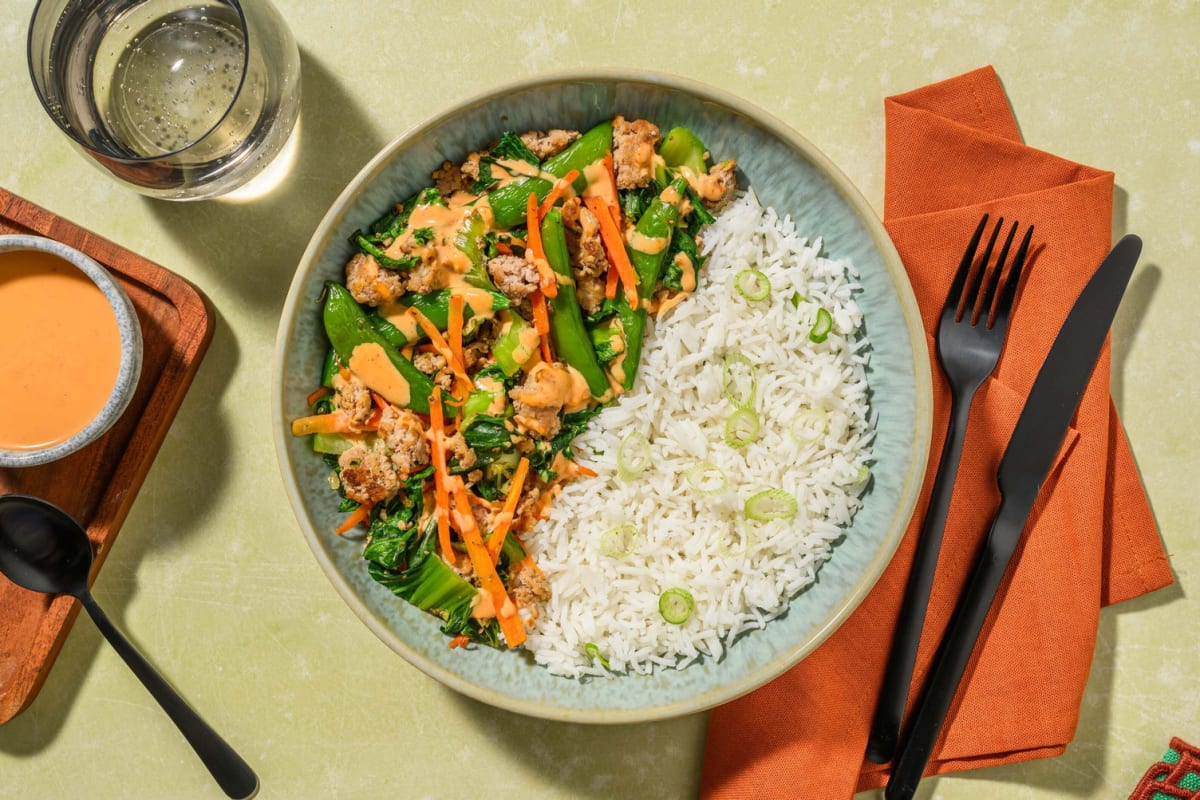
676 605
482 324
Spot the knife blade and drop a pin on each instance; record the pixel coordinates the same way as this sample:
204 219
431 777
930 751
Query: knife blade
1027 459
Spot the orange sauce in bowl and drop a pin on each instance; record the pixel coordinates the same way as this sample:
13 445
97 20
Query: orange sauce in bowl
60 350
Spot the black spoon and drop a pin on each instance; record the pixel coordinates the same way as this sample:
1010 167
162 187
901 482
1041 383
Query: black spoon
43 549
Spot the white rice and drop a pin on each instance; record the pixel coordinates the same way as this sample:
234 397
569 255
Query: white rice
741 573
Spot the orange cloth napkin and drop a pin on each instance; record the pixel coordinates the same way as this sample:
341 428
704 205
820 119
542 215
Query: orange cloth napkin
954 152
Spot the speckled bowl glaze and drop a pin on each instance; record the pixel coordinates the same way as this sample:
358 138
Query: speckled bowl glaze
788 173
131 352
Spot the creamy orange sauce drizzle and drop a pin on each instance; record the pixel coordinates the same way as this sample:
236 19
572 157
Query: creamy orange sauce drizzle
373 367
616 367
528 340
444 222
688 281
403 318
650 245
557 384
704 185
598 184
495 388
60 350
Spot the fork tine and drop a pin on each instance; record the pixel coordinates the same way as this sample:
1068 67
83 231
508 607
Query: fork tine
954 297
972 295
1005 304
985 310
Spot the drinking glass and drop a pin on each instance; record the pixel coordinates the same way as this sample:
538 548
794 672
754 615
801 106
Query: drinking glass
181 99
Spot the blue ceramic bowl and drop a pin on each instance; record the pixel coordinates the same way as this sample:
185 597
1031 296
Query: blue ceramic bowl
788 173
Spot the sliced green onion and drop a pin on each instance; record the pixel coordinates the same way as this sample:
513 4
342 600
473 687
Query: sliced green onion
593 652
771 504
707 478
676 605
752 284
741 428
822 327
796 299
809 426
633 456
620 541
739 380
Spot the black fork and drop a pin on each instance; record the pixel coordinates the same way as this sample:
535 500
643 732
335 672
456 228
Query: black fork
970 337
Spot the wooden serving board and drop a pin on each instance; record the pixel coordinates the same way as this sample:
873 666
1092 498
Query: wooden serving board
97 485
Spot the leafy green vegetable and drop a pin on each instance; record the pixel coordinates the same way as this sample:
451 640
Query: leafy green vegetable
385 230
487 433
423 235
607 310
510 148
494 372
420 576
681 242
370 248
634 202
429 197
608 342
544 451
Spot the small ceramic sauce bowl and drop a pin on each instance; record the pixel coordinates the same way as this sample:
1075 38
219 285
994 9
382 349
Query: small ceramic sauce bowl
59 350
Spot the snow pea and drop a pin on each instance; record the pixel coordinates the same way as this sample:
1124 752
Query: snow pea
571 340
347 327
508 202
657 222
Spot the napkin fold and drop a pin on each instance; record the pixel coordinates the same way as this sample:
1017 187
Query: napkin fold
954 152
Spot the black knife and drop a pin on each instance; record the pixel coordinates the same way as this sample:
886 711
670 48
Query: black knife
1023 468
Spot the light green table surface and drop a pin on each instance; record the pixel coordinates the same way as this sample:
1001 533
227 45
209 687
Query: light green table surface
211 575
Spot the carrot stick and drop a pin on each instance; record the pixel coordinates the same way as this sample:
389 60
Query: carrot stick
614 207
541 323
504 519
504 248
333 422
459 641
323 391
439 475
615 247
360 514
610 283
588 471
547 279
442 347
485 570
557 191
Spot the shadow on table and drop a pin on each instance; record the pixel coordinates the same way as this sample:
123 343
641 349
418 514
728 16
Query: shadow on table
599 761
1079 772
253 247
1136 303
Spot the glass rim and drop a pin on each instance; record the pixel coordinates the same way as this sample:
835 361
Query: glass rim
122 157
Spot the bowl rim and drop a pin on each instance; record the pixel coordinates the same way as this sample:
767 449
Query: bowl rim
920 364
128 371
